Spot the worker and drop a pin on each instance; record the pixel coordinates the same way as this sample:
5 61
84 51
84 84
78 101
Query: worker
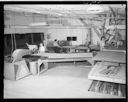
57 48
102 43
41 48
55 43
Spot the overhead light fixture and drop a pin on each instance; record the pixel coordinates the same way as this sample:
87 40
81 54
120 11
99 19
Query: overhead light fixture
95 9
39 24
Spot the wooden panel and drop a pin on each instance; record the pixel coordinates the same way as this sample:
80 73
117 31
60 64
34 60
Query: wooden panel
95 73
22 69
14 71
108 88
119 50
111 56
9 72
65 59
63 55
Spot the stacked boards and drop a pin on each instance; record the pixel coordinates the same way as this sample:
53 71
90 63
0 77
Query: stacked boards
108 75
110 72
108 88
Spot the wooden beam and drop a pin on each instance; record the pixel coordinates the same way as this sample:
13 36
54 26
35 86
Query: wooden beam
83 21
97 32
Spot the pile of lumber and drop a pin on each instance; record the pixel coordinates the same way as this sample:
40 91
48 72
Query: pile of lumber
108 88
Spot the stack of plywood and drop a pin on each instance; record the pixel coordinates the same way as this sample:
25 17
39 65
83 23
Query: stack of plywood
98 73
109 73
108 88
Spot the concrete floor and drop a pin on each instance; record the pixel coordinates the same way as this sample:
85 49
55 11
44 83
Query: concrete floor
62 80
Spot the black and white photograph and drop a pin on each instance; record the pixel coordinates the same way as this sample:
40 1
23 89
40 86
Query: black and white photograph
65 50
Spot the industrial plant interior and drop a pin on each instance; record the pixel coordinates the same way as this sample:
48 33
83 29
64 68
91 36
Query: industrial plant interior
64 51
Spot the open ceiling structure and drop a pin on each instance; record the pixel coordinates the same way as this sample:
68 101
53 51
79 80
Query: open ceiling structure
62 12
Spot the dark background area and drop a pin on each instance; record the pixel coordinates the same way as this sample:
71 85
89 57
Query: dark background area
21 40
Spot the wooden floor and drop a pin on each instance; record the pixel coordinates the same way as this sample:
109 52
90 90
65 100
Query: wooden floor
63 80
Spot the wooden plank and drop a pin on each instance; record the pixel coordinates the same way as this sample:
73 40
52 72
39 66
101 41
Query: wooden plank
95 74
97 32
111 56
67 59
118 27
9 72
124 51
108 88
66 55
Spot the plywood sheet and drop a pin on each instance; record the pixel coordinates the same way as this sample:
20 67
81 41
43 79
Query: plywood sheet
95 74
111 56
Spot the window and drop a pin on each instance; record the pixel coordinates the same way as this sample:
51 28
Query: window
69 39
74 38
